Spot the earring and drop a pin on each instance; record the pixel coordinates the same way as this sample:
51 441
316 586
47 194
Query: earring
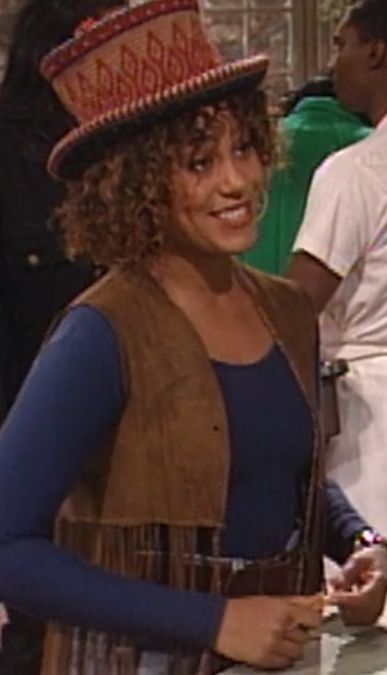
263 204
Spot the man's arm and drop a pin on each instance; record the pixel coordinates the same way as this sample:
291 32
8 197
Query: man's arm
317 279
336 229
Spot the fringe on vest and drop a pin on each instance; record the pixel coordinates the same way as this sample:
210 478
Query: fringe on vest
136 552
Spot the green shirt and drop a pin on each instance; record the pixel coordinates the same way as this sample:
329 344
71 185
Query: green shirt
316 128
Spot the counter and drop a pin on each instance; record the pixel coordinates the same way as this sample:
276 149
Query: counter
338 651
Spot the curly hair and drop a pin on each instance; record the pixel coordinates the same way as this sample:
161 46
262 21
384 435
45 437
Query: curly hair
117 212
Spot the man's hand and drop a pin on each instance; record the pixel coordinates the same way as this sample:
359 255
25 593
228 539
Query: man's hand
359 591
269 632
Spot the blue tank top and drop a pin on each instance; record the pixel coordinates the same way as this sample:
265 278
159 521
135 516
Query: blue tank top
271 433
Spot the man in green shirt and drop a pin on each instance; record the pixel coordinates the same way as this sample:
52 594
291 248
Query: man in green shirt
316 127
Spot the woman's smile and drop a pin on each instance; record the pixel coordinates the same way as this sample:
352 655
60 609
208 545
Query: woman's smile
216 191
236 216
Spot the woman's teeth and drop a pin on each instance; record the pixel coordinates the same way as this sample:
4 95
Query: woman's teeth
233 214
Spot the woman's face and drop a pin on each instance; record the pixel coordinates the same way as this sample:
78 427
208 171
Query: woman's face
216 186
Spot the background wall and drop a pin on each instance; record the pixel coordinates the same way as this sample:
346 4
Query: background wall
297 34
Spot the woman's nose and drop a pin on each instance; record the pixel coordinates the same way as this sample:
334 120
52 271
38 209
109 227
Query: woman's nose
231 177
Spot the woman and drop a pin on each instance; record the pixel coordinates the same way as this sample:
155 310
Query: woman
155 404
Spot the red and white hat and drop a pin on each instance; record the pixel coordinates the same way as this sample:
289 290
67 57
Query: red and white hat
121 73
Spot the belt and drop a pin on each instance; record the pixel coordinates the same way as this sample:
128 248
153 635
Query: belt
240 577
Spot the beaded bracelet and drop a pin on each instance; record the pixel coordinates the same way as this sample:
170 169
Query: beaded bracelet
367 538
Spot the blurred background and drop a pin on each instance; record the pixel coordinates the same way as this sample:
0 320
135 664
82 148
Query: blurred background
296 33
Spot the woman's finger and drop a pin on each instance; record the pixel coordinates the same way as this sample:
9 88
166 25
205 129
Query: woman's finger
298 634
290 649
276 662
374 585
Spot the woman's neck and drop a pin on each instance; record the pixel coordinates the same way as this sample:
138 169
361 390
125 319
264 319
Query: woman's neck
200 275
224 314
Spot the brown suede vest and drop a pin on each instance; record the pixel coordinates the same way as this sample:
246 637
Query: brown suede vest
167 462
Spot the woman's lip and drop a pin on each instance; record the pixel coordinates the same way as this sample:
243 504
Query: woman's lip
234 217
227 209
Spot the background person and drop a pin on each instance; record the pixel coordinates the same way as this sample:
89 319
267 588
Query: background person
36 278
340 258
315 125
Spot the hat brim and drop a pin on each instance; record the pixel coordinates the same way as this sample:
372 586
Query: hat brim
88 143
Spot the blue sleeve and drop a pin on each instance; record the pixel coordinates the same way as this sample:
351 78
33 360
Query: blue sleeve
343 523
71 398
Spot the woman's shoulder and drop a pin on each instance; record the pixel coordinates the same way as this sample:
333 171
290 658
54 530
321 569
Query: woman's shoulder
126 297
284 299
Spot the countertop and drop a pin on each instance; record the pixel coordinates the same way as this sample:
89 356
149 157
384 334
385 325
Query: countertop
338 650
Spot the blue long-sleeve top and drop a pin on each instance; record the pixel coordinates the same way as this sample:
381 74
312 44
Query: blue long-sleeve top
70 400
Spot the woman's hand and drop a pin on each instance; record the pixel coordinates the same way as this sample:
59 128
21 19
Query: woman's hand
269 632
359 591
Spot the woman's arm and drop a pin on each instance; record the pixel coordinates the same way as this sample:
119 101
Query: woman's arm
343 523
70 400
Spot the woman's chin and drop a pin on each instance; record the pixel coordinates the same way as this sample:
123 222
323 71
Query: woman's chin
245 244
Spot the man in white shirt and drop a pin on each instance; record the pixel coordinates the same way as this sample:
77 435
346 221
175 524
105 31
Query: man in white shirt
340 257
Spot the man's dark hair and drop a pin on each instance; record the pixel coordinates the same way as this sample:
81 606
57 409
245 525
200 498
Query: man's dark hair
319 85
369 17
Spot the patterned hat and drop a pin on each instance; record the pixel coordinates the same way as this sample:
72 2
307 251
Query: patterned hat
121 73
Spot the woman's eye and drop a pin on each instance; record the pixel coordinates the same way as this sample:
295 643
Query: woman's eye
243 148
199 164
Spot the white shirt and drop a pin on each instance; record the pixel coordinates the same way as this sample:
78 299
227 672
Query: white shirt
345 227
